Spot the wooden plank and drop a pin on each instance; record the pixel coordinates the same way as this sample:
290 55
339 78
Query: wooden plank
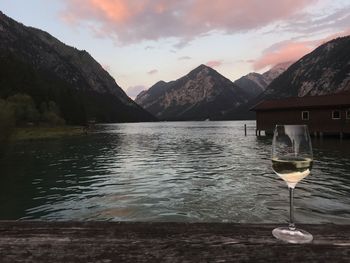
24 241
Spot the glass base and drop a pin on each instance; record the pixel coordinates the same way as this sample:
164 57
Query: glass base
297 236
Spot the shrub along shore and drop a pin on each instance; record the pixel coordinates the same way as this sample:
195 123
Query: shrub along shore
42 132
21 119
36 133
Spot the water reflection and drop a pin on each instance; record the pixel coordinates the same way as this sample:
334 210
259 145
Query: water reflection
185 171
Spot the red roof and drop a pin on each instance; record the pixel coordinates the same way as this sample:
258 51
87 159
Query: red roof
339 100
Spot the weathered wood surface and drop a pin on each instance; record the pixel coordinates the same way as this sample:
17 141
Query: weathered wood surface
165 242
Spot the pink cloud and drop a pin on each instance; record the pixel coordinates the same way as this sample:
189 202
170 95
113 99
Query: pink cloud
152 72
290 51
214 63
131 21
233 15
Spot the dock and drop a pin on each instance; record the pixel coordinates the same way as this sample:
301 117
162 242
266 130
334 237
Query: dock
104 242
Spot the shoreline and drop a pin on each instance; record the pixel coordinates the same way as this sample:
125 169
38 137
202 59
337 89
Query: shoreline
42 132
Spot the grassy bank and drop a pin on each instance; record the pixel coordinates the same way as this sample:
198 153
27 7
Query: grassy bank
32 133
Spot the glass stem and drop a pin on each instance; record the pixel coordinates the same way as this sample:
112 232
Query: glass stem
291 209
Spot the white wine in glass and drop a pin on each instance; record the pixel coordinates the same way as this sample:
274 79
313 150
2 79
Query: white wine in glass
292 161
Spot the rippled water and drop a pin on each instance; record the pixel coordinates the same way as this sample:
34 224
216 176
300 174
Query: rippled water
180 171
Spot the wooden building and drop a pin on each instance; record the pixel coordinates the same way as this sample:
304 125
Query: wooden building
328 114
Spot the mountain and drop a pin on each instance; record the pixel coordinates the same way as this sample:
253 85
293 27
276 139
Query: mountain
201 94
147 98
35 63
275 71
326 70
204 93
255 83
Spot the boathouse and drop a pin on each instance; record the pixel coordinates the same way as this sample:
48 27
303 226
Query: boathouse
327 114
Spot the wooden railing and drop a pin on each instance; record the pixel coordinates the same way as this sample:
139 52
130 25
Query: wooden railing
23 241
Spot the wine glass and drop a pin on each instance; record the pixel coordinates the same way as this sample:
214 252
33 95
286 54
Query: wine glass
292 161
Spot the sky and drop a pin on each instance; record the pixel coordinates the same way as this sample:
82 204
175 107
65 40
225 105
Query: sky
140 42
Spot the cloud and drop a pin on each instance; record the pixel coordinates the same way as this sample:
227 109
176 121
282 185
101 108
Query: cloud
152 72
285 51
184 58
245 61
214 63
250 61
132 21
338 20
132 92
291 50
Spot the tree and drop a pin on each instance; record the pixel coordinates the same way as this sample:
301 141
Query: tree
50 113
7 122
24 108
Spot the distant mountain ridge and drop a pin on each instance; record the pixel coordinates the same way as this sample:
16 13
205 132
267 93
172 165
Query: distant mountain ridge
326 70
201 94
276 71
46 69
256 83
204 94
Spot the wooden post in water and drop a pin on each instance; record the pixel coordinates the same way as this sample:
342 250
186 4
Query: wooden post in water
245 129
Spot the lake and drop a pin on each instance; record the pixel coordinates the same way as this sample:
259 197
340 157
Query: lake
169 171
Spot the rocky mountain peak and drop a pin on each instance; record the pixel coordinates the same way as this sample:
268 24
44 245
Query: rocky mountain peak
276 70
202 93
282 66
326 70
157 90
207 75
202 67
201 71
255 83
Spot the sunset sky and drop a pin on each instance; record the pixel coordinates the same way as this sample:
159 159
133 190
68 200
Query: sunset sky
140 42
